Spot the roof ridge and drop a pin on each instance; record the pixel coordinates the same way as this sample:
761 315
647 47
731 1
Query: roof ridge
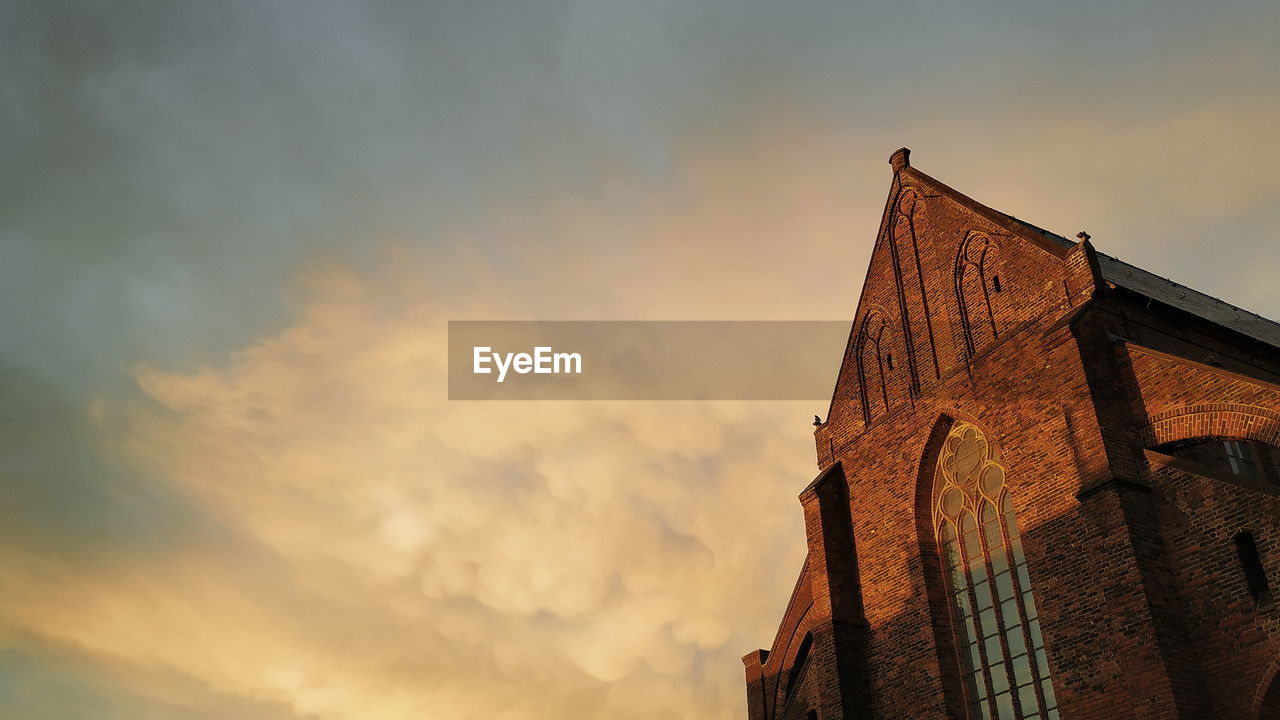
1188 299
1112 269
1049 240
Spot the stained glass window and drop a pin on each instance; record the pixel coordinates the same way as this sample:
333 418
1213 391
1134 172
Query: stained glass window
997 627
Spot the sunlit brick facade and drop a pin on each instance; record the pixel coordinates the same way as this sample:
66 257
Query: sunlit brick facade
1049 487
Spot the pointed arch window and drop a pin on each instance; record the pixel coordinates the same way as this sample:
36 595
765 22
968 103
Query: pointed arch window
993 612
875 364
798 665
976 279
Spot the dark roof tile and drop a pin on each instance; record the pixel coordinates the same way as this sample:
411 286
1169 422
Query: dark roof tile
1181 297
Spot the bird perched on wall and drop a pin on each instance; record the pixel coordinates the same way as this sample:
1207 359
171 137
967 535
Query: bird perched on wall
817 421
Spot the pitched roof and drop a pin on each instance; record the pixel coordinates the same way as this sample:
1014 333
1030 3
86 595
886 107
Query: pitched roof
1049 241
1165 291
1122 274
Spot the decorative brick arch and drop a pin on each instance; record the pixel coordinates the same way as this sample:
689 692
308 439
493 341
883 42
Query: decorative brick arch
909 280
949 666
873 358
1266 701
931 564
947 419
976 263
802 630
1213 420
975 533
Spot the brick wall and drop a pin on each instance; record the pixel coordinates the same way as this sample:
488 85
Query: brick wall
1072 381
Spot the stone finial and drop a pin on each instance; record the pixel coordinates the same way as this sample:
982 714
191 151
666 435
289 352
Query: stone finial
1083 236
900 158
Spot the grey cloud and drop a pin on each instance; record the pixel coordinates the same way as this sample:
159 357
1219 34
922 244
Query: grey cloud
167 170
48 681
66 493
165 165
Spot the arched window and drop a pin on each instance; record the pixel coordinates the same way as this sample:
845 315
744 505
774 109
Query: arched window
976 280
797 666
1228 458
875 366
993 613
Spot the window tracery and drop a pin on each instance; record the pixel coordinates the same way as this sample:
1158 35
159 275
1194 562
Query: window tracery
994 617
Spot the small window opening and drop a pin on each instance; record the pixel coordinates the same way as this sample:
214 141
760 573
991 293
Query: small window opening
802 655
995 283
1251 563
1240 458
1228 459
811 715
888 359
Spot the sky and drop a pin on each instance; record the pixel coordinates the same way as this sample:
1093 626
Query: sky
232 234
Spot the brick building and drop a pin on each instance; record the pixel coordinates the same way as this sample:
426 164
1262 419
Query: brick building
1049 487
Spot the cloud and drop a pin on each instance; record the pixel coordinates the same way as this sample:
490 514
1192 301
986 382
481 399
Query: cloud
232 235
398 554
343 542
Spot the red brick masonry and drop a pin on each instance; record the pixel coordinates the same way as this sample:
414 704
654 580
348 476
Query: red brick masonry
1108 393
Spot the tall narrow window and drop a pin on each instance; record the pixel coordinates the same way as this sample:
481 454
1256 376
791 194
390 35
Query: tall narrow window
797 666
993 612
1240 458
1255 576
975 269
877 387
